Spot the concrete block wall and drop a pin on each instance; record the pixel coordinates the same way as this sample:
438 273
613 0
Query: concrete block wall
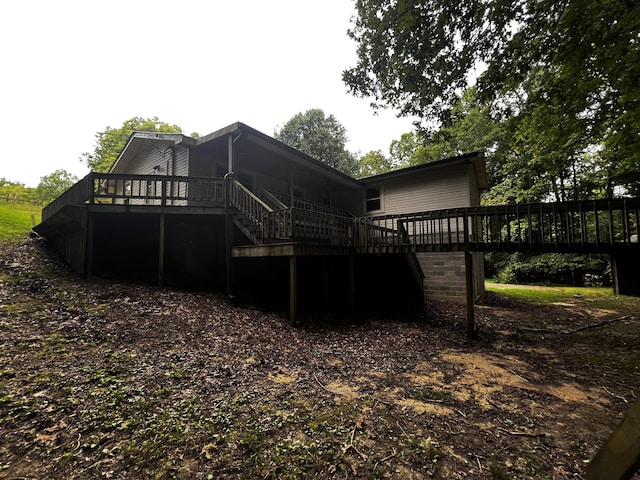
444 276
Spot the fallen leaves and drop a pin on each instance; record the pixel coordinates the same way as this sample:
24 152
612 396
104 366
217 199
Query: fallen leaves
103 379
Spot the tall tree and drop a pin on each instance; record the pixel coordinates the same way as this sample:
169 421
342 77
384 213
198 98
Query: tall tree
573 64
53 185
321 137
374 163
110 142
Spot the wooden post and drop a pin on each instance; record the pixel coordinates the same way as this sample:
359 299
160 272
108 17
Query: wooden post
161 251
614 274
471 318
619 457
293 289
228 235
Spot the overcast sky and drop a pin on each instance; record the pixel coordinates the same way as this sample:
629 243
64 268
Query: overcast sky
71 68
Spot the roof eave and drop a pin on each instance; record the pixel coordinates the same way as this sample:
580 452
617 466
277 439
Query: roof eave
474 158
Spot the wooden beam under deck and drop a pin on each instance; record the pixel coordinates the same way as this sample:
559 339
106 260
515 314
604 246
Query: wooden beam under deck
155 209
289 250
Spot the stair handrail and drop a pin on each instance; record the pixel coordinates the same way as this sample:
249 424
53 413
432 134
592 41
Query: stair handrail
272 198
247 202
404 236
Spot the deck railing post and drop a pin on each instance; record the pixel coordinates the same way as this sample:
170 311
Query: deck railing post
91 192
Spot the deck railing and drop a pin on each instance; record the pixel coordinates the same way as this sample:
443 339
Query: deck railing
580 226
120 189
78 194
587 225
309 206
124 189
309 227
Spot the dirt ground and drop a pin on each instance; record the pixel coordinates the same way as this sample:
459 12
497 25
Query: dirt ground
100 379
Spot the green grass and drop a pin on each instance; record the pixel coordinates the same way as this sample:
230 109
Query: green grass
15 220
548 294
602 297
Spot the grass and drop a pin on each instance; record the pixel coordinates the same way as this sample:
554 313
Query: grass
603 296
15 220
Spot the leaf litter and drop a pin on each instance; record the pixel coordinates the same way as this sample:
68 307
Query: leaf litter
105 379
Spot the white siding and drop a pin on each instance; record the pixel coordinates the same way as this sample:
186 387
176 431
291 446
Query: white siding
427 190
182 162
159 154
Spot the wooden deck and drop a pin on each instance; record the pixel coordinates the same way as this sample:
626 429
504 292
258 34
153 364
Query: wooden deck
588 226
305 229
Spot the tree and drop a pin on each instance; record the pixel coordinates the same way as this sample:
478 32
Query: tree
570 61
374 163
471 129
14 191
321 137
53 185
110 142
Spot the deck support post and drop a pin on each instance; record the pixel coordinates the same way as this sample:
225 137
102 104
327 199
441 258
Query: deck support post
88 246
624 272
228 235
161 251
471 317
293 289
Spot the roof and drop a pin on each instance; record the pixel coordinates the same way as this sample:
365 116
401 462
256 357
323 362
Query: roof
138 141
475 159
265 141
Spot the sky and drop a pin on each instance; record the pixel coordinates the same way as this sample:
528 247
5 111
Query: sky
71 68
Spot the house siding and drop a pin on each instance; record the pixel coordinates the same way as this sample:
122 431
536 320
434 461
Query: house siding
159 155
181 162
425 190
450 186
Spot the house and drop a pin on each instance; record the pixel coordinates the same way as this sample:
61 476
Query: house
241 211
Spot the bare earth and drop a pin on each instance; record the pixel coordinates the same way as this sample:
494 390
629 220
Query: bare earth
101 380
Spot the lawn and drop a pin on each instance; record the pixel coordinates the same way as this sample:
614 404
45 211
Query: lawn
15 220
602 297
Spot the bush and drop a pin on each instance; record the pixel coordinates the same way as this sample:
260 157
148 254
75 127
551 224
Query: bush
549 268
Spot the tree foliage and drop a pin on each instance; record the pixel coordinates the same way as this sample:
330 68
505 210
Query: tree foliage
374 163
561 74
321 137
110 142
53 185
11 191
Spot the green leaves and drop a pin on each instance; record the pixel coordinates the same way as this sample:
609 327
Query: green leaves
321 137
563 74
54 184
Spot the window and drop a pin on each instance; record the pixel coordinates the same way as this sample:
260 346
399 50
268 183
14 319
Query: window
374 198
